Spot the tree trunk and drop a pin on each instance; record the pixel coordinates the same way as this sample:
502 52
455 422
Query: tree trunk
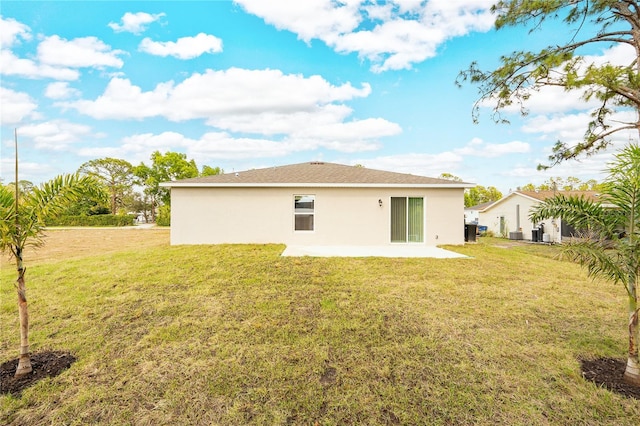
153 210
632 372
113 203
24 363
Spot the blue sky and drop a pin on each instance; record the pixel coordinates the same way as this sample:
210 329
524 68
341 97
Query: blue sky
248 83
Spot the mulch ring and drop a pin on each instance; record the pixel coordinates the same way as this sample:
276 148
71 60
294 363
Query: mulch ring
44 364
607 373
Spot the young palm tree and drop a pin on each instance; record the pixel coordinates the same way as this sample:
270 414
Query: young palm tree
22 224
610 244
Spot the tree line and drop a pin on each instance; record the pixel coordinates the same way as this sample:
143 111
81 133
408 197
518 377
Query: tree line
126 188
564 184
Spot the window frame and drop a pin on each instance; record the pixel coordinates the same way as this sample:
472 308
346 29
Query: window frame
298 212
407 220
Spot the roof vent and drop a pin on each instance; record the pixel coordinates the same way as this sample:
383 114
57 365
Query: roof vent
316 163
237 174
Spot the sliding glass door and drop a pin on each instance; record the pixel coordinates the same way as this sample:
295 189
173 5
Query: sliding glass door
407 219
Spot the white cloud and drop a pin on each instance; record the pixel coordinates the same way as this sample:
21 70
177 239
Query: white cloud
138 147
122 100
79 52
12 65
210 146
393 35
570 128
56 57
585 169
416 163
56 135
12 31
434 164
619 54
15 106
308 19
281 122
60 90
135 23
213 93
29 170
183 48
111 151
558 126
553 99
303 110
478 148
215 145
401 40
353 136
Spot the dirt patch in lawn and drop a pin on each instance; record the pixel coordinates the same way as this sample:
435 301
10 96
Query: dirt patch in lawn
608 372
44 364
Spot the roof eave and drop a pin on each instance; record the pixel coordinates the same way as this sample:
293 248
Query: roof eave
457 185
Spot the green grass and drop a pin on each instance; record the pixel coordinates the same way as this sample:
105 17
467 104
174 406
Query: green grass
236 334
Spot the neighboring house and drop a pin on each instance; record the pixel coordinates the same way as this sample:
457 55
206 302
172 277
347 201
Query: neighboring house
317 203
472 214
510 215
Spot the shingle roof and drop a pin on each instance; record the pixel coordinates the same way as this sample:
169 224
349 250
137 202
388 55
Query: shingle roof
543 195
317 174
480 206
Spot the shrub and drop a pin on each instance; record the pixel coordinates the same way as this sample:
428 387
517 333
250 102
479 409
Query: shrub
164 216
95 220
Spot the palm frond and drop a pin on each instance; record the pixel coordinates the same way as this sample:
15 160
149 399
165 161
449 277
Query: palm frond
579 212
26 226
7 218
600 260
623 186
609 246
52 196
7 198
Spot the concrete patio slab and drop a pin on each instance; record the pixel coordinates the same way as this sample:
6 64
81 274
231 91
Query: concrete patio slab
371 251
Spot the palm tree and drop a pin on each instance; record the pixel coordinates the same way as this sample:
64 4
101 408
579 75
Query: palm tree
609 246
23 224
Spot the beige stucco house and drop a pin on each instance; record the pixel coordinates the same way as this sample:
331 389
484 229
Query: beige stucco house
510 215
317 203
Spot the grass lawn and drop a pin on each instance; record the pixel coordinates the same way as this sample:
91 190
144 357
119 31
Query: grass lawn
236 334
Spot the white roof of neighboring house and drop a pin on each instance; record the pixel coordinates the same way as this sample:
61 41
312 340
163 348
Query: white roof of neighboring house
317 174
480 206
543 195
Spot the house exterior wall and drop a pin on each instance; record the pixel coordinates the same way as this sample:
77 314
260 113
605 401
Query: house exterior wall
342 216
507 208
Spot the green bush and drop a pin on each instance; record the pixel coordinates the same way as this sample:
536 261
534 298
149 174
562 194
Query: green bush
95 220
164 216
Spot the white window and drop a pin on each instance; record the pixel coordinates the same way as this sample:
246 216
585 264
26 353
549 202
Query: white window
303 211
